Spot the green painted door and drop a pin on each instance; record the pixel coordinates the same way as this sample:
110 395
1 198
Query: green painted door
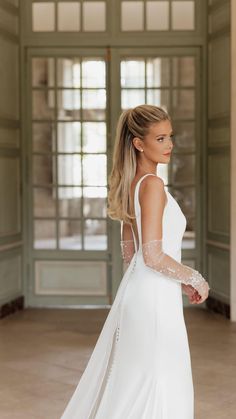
76 96
67 177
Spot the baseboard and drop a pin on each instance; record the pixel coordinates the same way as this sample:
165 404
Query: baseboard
218 306
12 306
212 304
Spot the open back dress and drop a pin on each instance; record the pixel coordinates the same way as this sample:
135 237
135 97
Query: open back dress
140 367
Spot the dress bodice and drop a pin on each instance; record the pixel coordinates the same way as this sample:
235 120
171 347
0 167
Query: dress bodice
173 224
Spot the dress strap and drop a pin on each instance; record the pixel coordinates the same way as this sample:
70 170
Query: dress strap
137 207
136 192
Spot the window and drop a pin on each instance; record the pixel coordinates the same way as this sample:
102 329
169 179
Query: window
69 16
157 15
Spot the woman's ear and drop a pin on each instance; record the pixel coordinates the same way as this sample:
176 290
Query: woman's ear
137 142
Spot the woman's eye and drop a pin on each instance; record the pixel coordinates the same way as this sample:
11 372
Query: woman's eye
172 137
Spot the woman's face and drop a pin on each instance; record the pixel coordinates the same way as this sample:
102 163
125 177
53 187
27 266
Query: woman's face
158 143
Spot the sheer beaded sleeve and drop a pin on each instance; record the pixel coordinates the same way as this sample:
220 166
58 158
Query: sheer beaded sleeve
152 201
127 250
127 245
157 260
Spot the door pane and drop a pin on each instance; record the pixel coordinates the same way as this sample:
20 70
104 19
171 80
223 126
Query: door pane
92 78
68 102
94 16
44 202
43 17
95 201
43 169
45 234
44 137
157 15
183 71
158 72
43 72
183 15
94 170
94 104
43 102
129 10
68 16
68 72
133 73
158 97
183 169
131 98
183 105
69 202
95 235
68 137
70 235
184 135
69 169
94 137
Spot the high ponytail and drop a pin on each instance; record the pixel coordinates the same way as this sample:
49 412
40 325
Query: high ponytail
132 123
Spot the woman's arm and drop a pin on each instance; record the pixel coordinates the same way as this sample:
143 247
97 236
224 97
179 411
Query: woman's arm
126 242
152 201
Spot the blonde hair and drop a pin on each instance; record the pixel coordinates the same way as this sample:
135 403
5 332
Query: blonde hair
132 123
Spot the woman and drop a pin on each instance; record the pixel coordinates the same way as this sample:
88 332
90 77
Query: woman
140 367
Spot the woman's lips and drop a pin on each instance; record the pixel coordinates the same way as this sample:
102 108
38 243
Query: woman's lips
167 154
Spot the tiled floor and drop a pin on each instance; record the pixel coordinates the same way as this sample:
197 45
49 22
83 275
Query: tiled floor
43 353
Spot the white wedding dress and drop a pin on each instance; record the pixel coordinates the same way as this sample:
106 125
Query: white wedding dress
140 367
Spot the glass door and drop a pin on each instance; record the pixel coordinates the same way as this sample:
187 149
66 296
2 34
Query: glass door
76 96
67 176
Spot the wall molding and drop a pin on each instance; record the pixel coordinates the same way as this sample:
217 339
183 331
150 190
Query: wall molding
9 7
9 123
4 33
218 245
217 5
10 246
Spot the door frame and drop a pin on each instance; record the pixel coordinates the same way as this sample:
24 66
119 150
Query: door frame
113 255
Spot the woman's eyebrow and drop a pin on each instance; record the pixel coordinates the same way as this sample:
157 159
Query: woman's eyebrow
158 135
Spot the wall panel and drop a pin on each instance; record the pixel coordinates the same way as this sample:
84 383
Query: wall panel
218 152
10 157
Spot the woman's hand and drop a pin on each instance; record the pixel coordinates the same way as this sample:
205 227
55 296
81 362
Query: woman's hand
203 292
193 295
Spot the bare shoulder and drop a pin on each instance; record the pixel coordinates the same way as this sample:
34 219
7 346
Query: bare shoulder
151 184
152 189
